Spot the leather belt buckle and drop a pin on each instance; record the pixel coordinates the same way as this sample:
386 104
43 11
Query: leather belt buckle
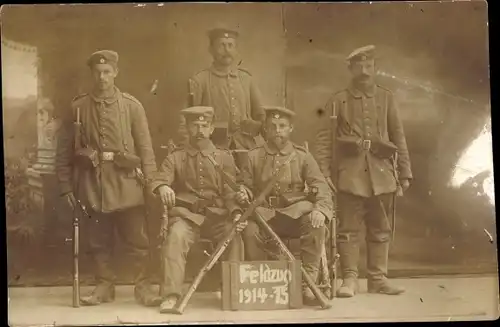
367 144
107 156
273 201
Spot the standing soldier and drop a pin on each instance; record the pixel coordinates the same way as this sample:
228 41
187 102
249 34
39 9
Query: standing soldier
200 203
102 169
291 210
231 91
369 135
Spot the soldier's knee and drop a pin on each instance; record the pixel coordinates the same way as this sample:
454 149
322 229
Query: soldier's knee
346 237
251 232
378 236
179 232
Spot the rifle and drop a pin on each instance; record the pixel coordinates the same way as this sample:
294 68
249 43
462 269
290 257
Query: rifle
332 182
310 283
223 244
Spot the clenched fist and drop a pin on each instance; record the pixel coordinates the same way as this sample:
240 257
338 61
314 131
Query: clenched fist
240 226
167 195
317 219
242 196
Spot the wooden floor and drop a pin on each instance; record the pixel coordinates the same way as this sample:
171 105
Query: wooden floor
426 299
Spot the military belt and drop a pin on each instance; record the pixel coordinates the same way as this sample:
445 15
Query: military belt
366 144
107 156
275 202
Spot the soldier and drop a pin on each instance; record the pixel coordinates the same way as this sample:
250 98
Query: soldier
291 210
231 91
369 134
101 169
201 203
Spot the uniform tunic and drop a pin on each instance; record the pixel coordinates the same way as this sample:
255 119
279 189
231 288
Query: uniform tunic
369 116
303 169
234 97
113 124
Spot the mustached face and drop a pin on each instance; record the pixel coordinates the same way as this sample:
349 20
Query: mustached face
224 51
200 130
363 71
278 130
104 76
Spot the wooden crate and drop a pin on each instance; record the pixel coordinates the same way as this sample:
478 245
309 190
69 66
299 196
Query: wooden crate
261 285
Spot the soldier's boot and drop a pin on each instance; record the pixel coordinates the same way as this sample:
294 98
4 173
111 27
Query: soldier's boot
349 257
377 260
105 290
143 291
168 304
102 293
307 295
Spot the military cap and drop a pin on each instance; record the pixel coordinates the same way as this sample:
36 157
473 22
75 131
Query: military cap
361 54
279 112
198 113
222 32
103 57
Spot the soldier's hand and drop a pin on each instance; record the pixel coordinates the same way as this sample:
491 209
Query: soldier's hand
70 199
405 184
167 195
240 225
242 196
317 219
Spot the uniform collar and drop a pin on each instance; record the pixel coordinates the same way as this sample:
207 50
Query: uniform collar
233 72
287 149
357 93
206 149
110 99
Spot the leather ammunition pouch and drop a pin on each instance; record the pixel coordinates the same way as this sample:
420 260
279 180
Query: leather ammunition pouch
250 127
87 157
220 136
349 145
287 199
127 160
197 205
214 213
383 149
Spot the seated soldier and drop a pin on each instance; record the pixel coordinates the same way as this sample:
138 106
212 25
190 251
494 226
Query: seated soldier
199 203
290 210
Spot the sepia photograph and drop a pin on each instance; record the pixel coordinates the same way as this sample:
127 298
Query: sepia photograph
248 163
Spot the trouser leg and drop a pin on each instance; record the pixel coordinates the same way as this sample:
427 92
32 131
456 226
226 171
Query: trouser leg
312 243
182 233
101 244
254 242
378 240
351 214
131 226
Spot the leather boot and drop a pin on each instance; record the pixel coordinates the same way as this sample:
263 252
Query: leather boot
377 260
102 293
105 289
143 292
168 304
349 258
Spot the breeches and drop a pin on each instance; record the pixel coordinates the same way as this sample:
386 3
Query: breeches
312 240
182 233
